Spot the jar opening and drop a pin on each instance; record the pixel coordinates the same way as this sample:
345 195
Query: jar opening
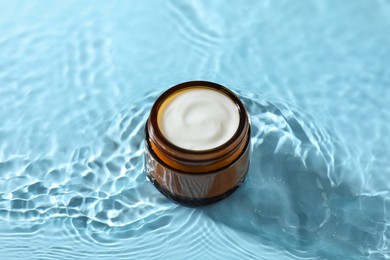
170 94
198 118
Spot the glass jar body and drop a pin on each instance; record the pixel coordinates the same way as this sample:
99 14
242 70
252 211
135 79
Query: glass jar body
197 177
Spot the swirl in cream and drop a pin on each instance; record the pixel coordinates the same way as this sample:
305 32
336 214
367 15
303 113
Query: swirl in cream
198 118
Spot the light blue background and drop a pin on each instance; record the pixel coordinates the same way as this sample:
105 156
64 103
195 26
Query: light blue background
77 79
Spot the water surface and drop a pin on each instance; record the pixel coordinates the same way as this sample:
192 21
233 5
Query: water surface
77 81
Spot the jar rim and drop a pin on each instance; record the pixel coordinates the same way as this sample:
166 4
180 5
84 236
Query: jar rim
191 84
181 172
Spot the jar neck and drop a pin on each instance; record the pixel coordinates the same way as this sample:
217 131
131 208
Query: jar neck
193 161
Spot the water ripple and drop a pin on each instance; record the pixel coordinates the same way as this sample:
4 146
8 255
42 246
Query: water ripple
292 194
74 82
297 192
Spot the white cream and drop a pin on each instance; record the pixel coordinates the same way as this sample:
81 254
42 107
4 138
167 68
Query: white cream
198 119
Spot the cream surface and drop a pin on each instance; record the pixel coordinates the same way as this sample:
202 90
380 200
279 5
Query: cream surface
198 119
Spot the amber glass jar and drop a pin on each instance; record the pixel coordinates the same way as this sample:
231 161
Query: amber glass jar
196 177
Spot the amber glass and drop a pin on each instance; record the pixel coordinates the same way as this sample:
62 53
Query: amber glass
196 177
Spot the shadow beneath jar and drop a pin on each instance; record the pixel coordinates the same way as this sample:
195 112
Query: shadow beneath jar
300 195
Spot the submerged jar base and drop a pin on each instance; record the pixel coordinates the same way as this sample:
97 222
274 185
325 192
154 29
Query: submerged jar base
192 202
204 188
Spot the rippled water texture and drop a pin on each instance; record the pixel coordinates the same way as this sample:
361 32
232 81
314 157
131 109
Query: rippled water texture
77 81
